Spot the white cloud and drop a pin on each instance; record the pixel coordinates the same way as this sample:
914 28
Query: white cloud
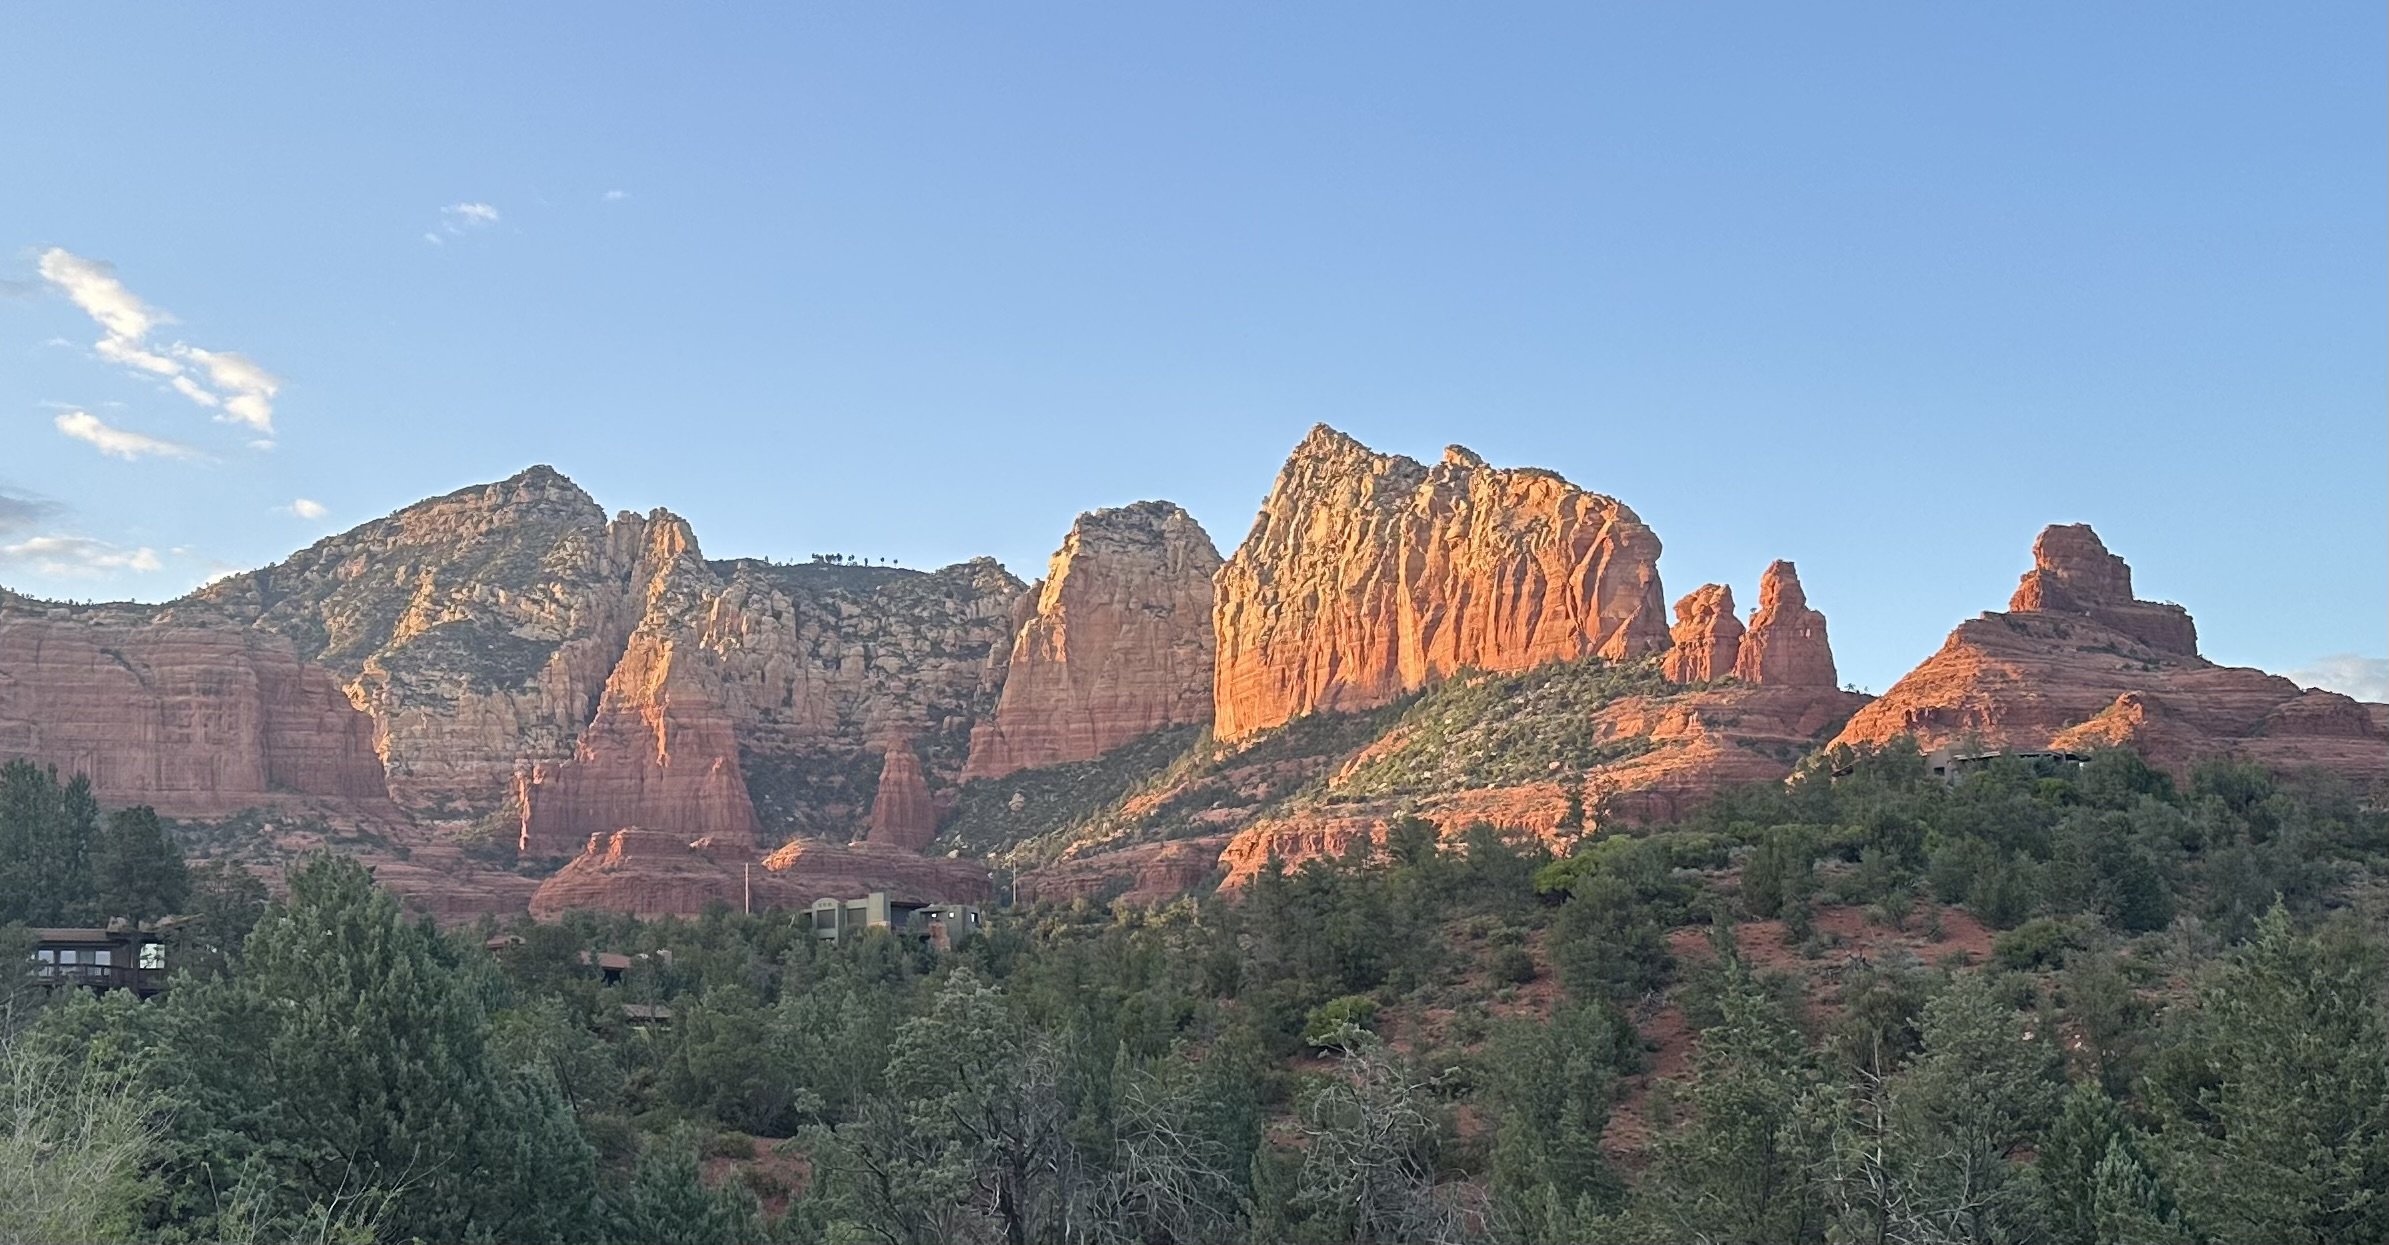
78 556
458 219
307 508
2365 678
119 442
93 286
237 388
247 389
615 196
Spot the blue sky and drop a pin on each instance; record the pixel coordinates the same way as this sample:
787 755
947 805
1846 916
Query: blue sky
1879 288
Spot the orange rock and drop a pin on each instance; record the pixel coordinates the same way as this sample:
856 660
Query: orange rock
1118 643
1786 644
2077 662
902 816
1706 638
1367 576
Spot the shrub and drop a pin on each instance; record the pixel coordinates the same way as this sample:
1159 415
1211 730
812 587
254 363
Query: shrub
1325 1020
1513 964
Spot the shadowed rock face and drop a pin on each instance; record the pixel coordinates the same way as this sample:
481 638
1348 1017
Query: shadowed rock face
1368 575
1119 643
649 873
2077 662
1785 645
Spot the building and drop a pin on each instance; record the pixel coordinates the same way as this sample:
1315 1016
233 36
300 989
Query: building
122 956
941 924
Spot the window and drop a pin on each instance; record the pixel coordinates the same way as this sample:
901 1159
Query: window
153 955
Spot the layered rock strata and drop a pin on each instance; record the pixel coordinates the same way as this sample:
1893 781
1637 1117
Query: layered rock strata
2077 662
1119 643
1368 575
195 721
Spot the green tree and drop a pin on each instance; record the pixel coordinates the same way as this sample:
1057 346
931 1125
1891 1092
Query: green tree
1738 1168
666 1200
137 870
2278 1129
2096 1175
1977 1094
364 1076
46 832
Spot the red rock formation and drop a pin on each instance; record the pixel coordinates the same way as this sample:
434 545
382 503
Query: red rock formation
1786 644
2073 573
195 721
1119 643
902 816
2077 662
1367 576
662 752
1706 638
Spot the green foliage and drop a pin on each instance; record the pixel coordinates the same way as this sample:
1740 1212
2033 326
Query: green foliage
1737 1166
2042 942
2276 1114
1327 1023
991 814
46 833
137 870
1477 730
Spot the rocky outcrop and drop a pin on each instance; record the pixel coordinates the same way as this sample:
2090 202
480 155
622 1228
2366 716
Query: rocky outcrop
2073 573
2077 662
195 721
1785 645
903 817
1707 636
516 649
1368 575
649 873
661 752
1119 643
476 629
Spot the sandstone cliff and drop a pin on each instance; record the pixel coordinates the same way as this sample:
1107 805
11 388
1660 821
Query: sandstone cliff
1119 643
195 721
1368 575
2076 662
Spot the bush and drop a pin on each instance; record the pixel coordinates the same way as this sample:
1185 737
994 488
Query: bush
1513 964
2041 942
1330 1017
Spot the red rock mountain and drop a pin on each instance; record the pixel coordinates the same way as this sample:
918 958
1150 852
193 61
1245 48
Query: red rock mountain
2077 662
1367 576
1119 643
508 657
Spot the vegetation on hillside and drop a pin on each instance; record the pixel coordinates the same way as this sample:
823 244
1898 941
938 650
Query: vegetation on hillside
1488 730
2174 1032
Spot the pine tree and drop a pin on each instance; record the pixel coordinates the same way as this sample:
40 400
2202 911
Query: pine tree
137 870
2283 1133
1740 1168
